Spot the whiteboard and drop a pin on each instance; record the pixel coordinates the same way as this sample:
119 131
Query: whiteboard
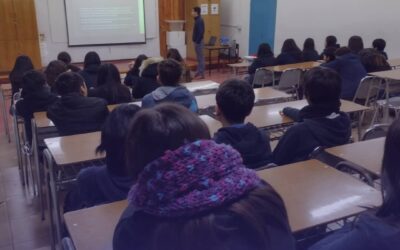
317 19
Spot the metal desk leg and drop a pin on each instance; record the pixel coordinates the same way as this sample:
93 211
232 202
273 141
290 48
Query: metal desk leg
386 109
209 62
36 167
21 166
5 116
47 161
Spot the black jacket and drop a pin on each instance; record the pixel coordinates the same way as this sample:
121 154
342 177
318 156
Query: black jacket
261 62
301 139
249 141
75 114
90 75
310 55
33 102
131 77
289 58
122 94
146 83
198 30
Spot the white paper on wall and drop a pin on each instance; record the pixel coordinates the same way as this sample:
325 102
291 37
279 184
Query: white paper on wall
214 9
204 9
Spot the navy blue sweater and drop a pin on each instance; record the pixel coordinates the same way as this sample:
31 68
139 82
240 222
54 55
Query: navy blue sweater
289 58
350 70
198 30
249 141
178 94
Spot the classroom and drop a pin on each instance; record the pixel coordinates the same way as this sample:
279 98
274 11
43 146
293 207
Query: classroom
199 125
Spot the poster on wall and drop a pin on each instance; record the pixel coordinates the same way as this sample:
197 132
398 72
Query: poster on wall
214 9
204 9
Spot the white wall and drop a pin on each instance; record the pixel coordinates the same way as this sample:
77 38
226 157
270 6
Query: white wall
315 18
235 22
53 35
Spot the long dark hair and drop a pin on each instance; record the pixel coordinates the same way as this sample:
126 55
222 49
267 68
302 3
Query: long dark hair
136 66
92 59
309 44
390 208
290 46
109 77
356 44
22 65
53 70
113 135
264 50
174 54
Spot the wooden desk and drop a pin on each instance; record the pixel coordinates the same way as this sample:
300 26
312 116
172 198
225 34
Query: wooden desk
315 194
201 85
113 106
303 66
262 94
366 154
212 124
236 66
217 48
93 228
394 63
388 74
75 148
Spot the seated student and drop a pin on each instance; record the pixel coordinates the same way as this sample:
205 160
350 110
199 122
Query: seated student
329 54
52 71
350 69
378 228
36 97
66 58
356 44
170 72
109 86
22 65
235 100
174 54
380 45
147 81
265 57
319 124
133 73
290 53
75 113
91 66
309 52
330 42
373 61
192 193
112 182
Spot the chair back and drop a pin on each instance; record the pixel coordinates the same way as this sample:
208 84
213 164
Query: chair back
263 77
376 131
368 90
290 79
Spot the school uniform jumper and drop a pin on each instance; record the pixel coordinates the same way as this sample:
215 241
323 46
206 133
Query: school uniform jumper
178 94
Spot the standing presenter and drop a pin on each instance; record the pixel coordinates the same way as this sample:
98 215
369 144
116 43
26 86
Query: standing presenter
198 35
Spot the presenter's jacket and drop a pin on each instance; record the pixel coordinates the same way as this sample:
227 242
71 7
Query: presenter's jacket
198 30
351 70
32 102
368 232
300 140
249 141
113 95
89 74
95 186
177 94
76 114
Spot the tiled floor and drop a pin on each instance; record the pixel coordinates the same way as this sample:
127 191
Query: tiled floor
20 223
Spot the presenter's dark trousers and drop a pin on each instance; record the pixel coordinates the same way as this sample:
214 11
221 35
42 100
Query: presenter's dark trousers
199 48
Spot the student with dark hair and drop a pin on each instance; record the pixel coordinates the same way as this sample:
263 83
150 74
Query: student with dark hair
111 182
373 61
198 40
380 45
91 66
350 69
321 123
309 52
36 97
356 44
174 54
192 193
378 228
290 53
66 58
52 71
133 74
147 81
331 41
75 113
235 100
265 57
109 86
329 54
170 72
22 65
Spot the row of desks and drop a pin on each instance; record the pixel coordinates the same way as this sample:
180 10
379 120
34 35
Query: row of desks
306 188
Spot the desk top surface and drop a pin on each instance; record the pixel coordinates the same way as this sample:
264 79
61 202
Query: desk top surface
367 154
394 62
316 205
74 149
303 66
315 194
389 74
244 64
201 85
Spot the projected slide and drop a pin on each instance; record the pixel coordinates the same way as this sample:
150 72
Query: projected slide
96 22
